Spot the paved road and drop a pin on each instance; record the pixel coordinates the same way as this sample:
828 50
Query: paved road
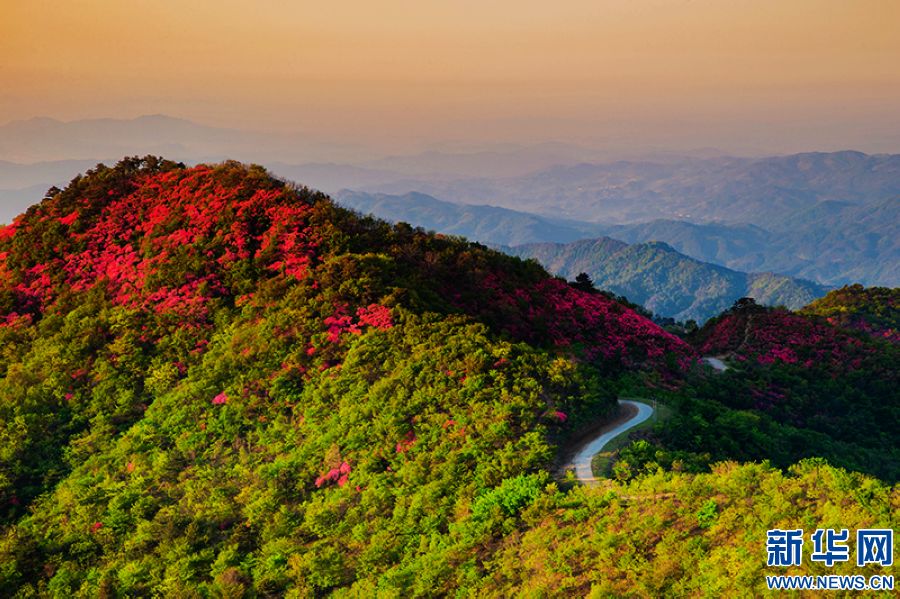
715 363
582 459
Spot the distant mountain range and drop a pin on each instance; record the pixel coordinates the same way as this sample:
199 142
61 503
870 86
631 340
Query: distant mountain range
665 281
765 192
833 243
487 224
829 217
652 274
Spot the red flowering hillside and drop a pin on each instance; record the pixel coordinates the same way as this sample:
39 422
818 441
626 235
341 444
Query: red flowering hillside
163 239
214 382
767 337
798 386
156 237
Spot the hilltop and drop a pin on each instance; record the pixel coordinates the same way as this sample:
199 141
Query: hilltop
875 310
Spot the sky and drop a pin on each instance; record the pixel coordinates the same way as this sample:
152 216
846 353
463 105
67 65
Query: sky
771 75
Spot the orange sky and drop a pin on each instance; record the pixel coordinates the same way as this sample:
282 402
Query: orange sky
689 73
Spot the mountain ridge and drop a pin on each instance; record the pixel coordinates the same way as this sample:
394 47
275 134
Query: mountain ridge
664 281
832 243
501 227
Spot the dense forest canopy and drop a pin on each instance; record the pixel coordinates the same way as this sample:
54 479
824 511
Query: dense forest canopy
215 383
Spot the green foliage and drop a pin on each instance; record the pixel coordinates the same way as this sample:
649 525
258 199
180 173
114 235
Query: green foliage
681 535
511 496
707 514
875 310
264 395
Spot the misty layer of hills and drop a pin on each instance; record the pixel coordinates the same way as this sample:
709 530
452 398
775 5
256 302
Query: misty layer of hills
652 274
833 218
832 243
762 191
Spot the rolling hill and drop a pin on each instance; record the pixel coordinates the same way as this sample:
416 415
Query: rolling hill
665 281
486 224
216 383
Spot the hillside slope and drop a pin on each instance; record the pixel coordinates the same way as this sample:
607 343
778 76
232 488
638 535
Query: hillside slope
665 281
213 383
207 362
875 310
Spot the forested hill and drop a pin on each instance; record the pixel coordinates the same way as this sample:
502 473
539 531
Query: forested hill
214 383
875 310
665 281
203 366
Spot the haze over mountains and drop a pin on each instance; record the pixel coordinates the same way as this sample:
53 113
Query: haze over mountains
652 274
831 218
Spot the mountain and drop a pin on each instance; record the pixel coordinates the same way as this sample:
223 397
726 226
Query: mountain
653 275
710 242
216 383
834 243
665 281
757 191
487 224
830 217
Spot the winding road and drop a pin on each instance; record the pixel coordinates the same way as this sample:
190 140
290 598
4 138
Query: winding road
582 459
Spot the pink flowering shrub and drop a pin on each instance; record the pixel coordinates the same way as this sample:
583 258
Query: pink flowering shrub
599 328
375 315
341 322
782 337
339 475
406 443
68 220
